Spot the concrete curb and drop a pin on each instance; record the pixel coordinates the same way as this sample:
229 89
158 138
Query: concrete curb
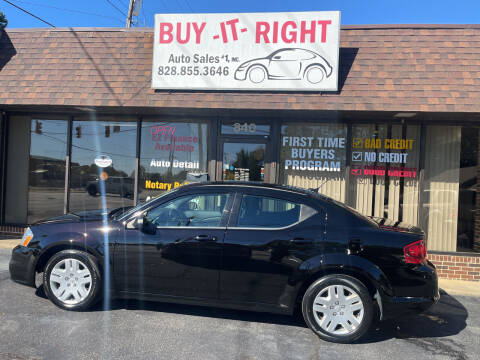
9 244
460 287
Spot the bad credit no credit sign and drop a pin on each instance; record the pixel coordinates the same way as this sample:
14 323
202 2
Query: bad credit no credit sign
256 51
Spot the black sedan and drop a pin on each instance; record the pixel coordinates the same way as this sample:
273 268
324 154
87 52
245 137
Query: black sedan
239 245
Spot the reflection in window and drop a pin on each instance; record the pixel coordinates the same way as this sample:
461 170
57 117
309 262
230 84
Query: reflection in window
170 154
244 161
204 210
313 156
260 211
467 195
46 178
103 161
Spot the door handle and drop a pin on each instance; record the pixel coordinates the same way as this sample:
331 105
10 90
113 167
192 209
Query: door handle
300 240
205 238
355 246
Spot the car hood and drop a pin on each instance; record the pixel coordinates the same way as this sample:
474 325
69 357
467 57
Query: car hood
75 217
82 216
394 225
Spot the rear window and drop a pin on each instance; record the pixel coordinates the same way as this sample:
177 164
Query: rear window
269 212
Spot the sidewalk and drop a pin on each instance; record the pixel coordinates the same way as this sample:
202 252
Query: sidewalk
460 287
9 243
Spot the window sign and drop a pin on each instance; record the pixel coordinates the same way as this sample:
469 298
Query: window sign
376 156
169 152
314 156
256 51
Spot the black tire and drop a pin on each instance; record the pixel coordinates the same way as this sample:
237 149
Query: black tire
95 286
92 190
320 286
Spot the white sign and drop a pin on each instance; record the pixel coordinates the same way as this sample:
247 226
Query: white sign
257 51
103 161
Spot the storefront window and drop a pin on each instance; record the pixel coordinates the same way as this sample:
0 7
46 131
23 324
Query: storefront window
440 186
468 183
46 176
103 163
313 156
171 154
384 171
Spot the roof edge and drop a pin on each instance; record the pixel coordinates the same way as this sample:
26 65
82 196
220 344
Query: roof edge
343 27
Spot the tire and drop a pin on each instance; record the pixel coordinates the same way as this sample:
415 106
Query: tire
75 295
256 74
314 74
92 190
345 326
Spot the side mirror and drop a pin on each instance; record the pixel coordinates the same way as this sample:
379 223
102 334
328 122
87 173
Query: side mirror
146 226
277 57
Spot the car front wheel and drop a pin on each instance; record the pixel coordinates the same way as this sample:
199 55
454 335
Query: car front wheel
72 280
257 74
338 308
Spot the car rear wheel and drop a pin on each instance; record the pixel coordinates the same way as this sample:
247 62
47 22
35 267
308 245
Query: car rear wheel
314 74
257 74
338 308
72 280
92 190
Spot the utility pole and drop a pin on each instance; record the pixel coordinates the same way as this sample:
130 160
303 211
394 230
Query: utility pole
130 12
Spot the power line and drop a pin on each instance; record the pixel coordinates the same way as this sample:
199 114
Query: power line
29 13
69 10
115 6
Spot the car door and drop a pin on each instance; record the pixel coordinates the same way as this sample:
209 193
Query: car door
176 251
269 235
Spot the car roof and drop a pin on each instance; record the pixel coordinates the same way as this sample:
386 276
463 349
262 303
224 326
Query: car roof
258 185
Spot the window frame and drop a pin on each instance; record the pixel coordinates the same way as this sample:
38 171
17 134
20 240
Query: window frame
273 194
171 197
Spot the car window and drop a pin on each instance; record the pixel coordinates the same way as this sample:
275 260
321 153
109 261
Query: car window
296 54
269 212
287 55
200 210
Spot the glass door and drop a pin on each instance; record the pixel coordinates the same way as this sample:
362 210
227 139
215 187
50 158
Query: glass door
243 161
245 148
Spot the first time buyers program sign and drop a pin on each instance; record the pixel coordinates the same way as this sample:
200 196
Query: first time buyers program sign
258 51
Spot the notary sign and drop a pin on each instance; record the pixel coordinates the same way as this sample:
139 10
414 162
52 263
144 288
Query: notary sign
258 51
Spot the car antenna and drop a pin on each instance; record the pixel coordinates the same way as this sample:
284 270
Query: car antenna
317 189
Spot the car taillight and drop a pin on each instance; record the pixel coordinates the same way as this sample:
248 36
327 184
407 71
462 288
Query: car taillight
415 253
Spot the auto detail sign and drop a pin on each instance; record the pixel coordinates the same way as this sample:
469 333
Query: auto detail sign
257 51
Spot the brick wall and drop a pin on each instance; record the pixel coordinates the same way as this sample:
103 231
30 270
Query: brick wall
456 267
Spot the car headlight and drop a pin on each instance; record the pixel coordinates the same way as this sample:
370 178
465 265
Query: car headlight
27 237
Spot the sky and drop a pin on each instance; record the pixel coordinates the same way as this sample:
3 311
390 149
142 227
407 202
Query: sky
112 13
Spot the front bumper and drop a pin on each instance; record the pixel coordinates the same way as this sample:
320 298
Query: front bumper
22 265
241 74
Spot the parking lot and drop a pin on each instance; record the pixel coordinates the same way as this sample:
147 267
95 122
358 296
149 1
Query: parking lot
31 327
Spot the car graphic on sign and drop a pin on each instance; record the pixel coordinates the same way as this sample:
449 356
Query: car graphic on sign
286 64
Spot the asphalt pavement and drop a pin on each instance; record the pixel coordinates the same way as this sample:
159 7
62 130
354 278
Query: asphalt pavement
31 327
